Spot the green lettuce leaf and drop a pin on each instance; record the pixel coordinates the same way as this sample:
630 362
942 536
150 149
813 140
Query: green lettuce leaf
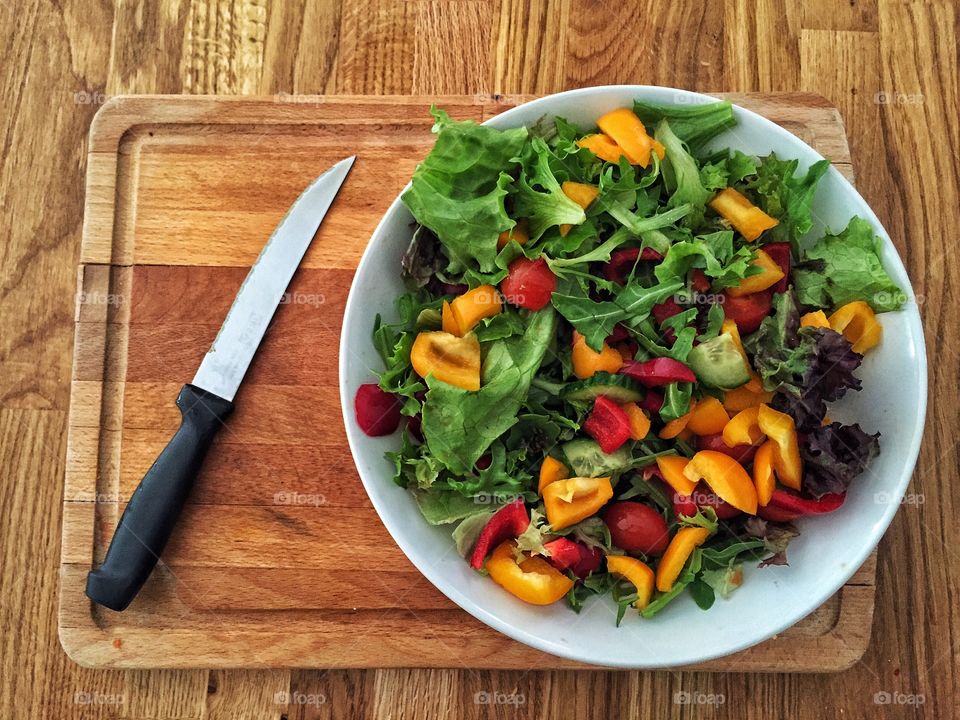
696 125
841 268
682 176
440 506
459 189
787 197
547 206
459 425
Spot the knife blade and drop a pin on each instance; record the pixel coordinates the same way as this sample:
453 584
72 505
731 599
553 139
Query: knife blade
153 509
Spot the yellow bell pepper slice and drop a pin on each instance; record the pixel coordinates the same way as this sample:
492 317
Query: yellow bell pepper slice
533 580
857 322
763 477
637 572
743 428
602 146
551 470
745 397
475 305
569 501
627 131
448 321
815 319
448 358
519 232
671 469
582 194
639 422
586 362
708 417
726 477
675 557
781 429
771 274
675 427
749 220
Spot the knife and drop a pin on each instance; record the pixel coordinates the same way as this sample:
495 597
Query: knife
151 514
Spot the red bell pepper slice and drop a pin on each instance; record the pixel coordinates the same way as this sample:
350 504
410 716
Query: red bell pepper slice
619 334
507 523
699 281
785 506
566 554
667 309
658 371
652 401
622 262
608 424
780 254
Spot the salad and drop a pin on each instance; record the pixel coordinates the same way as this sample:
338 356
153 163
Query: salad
614 362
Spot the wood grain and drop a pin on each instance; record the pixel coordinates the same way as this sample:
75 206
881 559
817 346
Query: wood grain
59 60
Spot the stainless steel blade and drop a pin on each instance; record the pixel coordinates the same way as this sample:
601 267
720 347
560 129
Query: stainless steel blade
225 364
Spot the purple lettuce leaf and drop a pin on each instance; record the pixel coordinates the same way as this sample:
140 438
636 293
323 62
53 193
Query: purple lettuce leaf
833 455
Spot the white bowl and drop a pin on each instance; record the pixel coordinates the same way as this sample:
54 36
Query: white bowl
825 555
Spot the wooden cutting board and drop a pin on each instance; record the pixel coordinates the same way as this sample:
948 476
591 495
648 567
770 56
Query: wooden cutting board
280 560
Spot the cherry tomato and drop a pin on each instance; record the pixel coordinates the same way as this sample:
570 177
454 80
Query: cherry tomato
378 412
704 497
636 527
699 281
743 454
529 283
748 311
667 309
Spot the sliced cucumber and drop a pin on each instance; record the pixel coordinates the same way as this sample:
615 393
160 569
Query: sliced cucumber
586 459
718 363
618 388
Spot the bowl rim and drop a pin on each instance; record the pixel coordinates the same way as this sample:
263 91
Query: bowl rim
818 595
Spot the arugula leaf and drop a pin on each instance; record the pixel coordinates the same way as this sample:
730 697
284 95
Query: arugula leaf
714 254
459 425
682 176
687 576
676 401
595 320
550 206
844 267
696 125
459 189
787 198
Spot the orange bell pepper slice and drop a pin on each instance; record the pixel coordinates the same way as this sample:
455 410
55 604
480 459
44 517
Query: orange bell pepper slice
763 477
749 220
448 321
586 362
781 429
771 275
639 422
676 555
475 305
519 232
673 428
450 359
743 428
708 417
627 131
551 470
533 580
815 319
602 146
671 469
726 477
637 572
569 501
857 322
582 194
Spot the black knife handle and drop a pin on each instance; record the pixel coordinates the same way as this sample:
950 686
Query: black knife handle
155 505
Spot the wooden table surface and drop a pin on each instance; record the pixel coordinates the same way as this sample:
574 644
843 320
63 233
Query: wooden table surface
891 68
